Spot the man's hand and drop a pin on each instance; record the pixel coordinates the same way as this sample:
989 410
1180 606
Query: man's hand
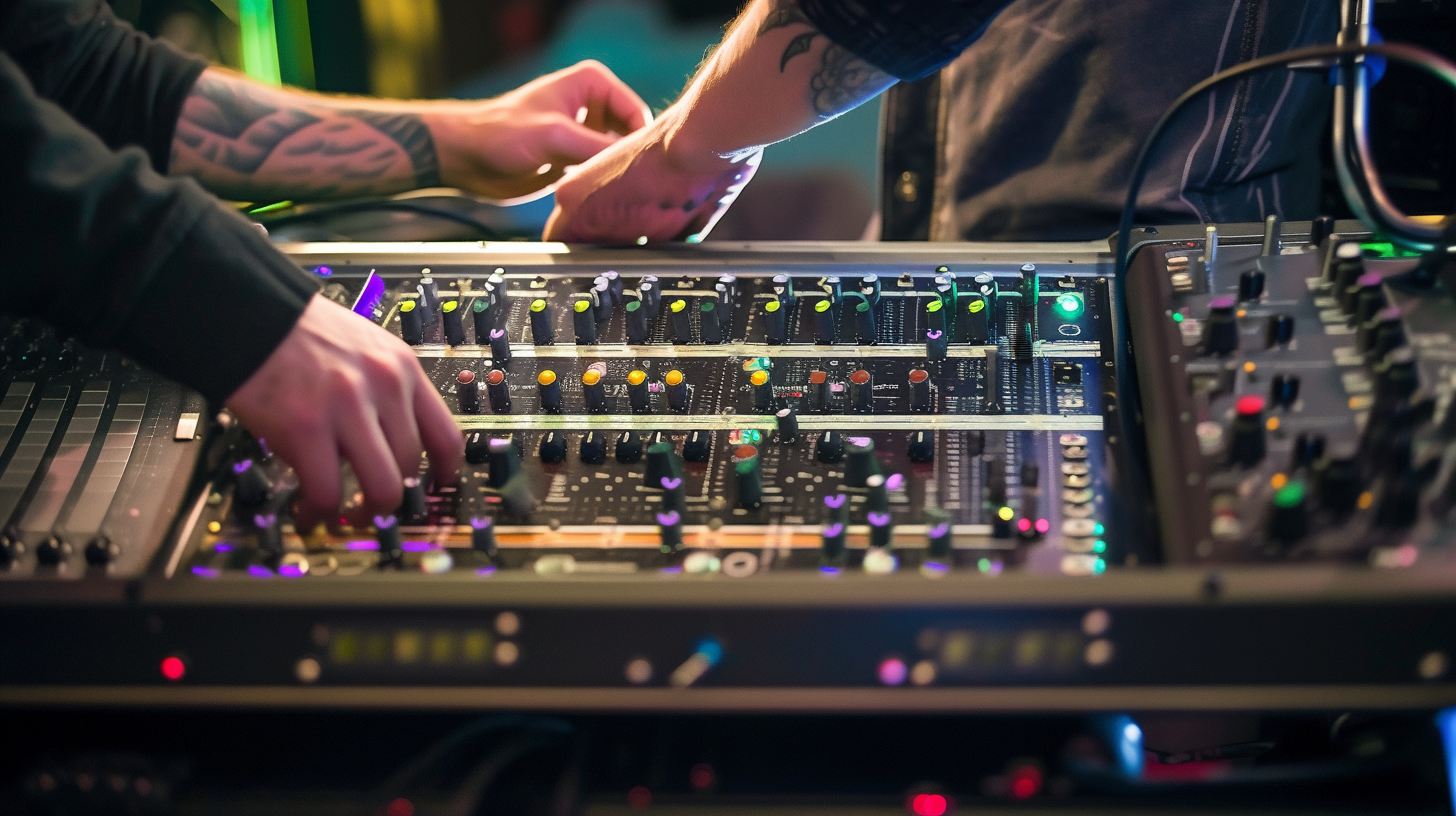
521 142
337 386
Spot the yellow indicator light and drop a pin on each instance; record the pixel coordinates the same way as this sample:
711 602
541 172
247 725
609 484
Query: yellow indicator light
1366 499
1278 480
590 378
771 306
822 306
976 306
637 377
1249 367
1272 423
581 305
1241 313
546 377
934 305
674 377
759 377
538 305
1005 513
407 306
678 305
214 527
449 306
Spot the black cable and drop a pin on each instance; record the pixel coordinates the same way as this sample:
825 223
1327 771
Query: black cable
405 205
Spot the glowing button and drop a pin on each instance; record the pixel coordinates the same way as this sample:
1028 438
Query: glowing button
546 377
772 306
1005 513
407 306
759 377
929 804
822 306
538 305
581 305
1250 405
173 668
590 378
678 305
637 377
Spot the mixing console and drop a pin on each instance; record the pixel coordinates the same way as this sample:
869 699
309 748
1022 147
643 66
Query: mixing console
820 466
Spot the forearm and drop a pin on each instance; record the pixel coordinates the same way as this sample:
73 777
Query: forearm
774 76
248 141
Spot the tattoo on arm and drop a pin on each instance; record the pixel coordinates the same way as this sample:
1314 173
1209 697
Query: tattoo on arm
842 81
254 143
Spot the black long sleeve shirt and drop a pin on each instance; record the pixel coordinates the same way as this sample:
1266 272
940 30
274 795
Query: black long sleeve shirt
93 238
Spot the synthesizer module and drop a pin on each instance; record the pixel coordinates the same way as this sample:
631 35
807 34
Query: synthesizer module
803 476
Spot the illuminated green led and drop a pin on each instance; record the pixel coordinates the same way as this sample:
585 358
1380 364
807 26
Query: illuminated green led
1289 496
451 305
984 565
1177 317
1099 529
1099 566
1099 546
753 436
479 306
862 306
632 305
1068 306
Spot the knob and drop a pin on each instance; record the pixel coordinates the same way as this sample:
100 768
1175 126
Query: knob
669 530
553 447
935 315
919 390
1272 236
430 293
1030 286
763 396
411 324
877 495
996 480
1396 379
1400 501
677 390
678 317
542 332
593 448
450 313
1251 284
748 472
832 288
637 394
467 392
477 447
52 551
1386 335
782 287
386 532
650 291
629 447
882 530
1278 330
937 535
482 535
500 347
697 446
614 286
829 447
864 322
816 396
1246 447
869 289
861 463
922 446
1337 482
975 323
12 549
601 299
1284 390
584 321
663 465
1368 298
505 461
483 316
413 509
727 287
788 426
636 322
975 442
826 330
101 551
594 391
549 391
861 392
708 326
1346 267
773 322
1308 449
252 487
1288 516
1321 228
1221 331
836 524
992 382
498 391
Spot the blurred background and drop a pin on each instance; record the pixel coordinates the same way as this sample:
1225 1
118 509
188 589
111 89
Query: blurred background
820 185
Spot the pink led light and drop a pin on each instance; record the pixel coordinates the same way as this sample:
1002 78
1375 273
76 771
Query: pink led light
893 672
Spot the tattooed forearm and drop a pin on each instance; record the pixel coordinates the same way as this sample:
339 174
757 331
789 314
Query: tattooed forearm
842 80
250 142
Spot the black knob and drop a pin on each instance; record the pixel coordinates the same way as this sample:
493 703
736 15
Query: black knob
1308 449
430 294
919 390
974 322
763 395
391 546
708 325
826 330
677 390
52 551
1283 390
482 535
1337 482
505 461
629 447
783 288
1321 228
101 551
553 447
594 391
1369 297
1400 501
584 321
937 344
1387 334
12 549
680 319
1221 330
864 322
413 510
637 393
664 469
774 317
614 286
593 448
996 480
697 446
922 446
861 463
411 324
451 313
935 314
861 392
477 447
748 471
788 426
1246 447
467 392
1251 284
937 535
542 332
1346 267
651 293
601 299
500 347
882 529
1288 515
1278 330
992 382
549 391
636 322
1396 379
869 289
252 485
829 447
669 530
483 318
816 395
498 391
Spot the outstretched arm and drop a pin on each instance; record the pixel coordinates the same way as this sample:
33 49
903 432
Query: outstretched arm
249 141
774 76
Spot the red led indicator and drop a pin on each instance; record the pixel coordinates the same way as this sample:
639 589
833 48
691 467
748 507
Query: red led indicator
173 668
1024 525
1250 405
919 375
400 807
929 804
1025 782
639 797
701 776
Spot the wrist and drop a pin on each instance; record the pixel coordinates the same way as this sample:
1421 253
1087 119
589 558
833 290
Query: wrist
686 148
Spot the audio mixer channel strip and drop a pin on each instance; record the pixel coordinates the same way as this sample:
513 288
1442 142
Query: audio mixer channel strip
786 476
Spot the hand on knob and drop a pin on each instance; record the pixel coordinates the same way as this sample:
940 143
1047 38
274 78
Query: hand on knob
339 386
